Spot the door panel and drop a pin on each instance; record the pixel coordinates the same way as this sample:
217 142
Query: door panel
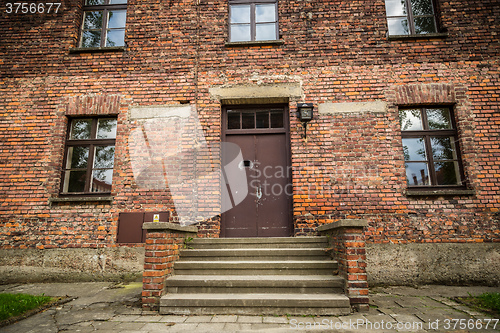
275 188
239 221
265 212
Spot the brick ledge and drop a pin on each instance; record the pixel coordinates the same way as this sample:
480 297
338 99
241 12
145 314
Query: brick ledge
346 223
168 226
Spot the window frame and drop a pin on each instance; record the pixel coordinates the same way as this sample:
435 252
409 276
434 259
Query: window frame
427 133
91 143
411 19
105 8
253 23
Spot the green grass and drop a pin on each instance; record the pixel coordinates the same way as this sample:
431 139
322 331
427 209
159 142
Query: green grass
487 302
12 305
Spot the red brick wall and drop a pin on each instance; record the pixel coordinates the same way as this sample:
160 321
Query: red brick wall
337 52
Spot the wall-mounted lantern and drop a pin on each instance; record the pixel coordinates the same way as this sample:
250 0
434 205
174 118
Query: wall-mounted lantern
305 113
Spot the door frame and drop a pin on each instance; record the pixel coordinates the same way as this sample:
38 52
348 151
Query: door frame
288 151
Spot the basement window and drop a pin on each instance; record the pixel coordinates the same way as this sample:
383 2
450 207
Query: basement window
89 156
103 23
253 21
430 147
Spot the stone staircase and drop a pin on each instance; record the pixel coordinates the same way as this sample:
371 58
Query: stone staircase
255 276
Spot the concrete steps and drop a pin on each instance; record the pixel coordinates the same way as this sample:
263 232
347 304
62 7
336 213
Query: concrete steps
271 242
262 303
255 276
281 284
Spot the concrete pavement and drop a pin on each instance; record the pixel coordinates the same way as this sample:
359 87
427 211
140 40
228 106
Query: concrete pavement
106 307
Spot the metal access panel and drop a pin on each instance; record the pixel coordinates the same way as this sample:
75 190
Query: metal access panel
130 228
130 225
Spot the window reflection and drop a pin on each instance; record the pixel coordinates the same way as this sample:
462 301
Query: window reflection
265 31
414 149
410 119
240 14
104 27
253 22
443 148
417 174
399 21
265 13
430 147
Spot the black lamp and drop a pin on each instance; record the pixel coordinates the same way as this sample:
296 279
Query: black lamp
305 111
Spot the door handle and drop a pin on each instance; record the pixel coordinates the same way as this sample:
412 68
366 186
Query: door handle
259 193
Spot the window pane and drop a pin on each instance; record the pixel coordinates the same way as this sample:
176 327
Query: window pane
422 7
106 128
398 26
233 120
74 181
115 37
247 120
80 129
117 18
262 119
265 13
113 2
91 38
240 33
447 173
276 119
101 180
104 157
439 118
266 31
240 14
410 120
94 2
414 149
417 174
395 7
77 157
92 20
443 148
424 25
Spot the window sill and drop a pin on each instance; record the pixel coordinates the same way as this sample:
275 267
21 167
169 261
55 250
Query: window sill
108 199
255 43
97 49
438 192
419 36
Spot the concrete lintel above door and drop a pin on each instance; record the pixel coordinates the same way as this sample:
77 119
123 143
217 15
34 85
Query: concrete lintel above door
257 94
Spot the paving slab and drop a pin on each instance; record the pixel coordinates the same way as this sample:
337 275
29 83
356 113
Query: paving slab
182 327
40 323
275 320
224 319
199 319
107 307
173 319
129 326
210 327
249 319
156 327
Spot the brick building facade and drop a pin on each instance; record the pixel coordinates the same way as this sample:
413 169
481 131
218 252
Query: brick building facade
347 162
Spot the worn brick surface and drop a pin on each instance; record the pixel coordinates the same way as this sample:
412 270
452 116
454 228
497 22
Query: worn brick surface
351 165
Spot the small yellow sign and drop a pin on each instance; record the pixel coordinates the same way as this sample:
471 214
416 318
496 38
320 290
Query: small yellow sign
156 217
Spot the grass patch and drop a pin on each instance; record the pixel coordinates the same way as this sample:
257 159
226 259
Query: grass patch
13 305
487 302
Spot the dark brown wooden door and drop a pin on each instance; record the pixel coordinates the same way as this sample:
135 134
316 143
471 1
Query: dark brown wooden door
266 211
